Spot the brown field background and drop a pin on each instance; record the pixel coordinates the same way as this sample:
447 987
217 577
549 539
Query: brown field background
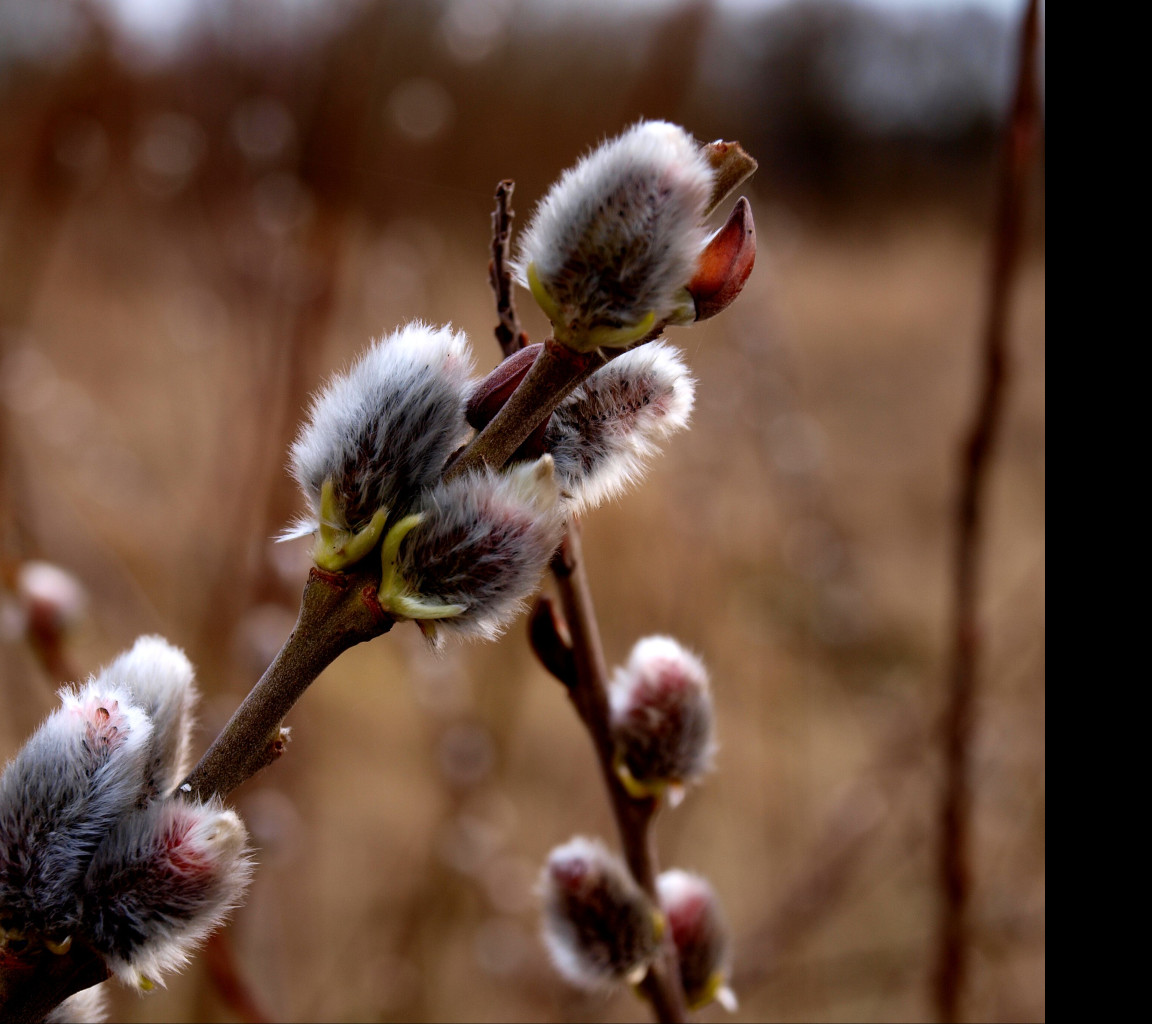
188 247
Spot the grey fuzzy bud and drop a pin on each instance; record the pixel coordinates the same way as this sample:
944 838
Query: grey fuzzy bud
599 926
615 241
700 935
164 878
160 679
661 716
82 770
383 431
483 541
603 434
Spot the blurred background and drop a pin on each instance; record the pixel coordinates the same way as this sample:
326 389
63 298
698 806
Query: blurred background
207 206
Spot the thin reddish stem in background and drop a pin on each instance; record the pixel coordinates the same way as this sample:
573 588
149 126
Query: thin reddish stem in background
569 645
959 723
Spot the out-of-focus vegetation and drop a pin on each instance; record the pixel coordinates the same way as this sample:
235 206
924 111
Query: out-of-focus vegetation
193 232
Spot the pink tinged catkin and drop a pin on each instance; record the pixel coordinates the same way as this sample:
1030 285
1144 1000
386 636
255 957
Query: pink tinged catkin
661 717
611 247
82 770
701 937
160 679
163 880
382 431
599 927
603 435
477 550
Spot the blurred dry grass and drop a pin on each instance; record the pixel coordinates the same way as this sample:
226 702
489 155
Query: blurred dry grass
163 323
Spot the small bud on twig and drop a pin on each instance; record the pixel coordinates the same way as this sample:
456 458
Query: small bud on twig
701 937
599 926
662 718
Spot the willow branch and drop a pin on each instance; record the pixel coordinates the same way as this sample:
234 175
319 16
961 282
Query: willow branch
509 334
337 611
959 722
588 691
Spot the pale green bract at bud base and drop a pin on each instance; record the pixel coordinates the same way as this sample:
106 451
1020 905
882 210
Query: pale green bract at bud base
610 249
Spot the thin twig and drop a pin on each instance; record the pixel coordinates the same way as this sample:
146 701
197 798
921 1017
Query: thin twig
337 611
589 695
959 724
509 334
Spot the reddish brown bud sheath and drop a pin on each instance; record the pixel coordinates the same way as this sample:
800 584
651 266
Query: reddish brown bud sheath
493 391
725 263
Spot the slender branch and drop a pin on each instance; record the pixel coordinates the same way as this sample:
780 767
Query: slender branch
554 374
959 721
589 695
509 334
337 611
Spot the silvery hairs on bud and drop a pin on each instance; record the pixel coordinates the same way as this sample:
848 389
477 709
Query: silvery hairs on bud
599 926
383 430
160 679
88 1006
484 542
165 877
700 934
661 713
603 434
618 236
81 771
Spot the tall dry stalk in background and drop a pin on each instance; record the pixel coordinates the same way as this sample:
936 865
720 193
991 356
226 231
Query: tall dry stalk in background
979 446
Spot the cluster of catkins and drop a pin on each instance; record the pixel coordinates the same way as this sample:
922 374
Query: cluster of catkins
615 252
601 928
98 846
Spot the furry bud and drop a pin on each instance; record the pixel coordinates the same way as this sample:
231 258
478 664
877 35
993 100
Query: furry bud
164 879
661 718
701 937
603 434
53 599
160 679
474 551
378 435
81 771
611 246
599 926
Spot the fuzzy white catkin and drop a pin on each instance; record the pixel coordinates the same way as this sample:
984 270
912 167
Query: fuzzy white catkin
598 925
618 235
604 433
61 795
383 430
700 934
161 680
485 541
661 712
164 879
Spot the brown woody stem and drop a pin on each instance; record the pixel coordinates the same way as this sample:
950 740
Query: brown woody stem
337 611
589 695
556 372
